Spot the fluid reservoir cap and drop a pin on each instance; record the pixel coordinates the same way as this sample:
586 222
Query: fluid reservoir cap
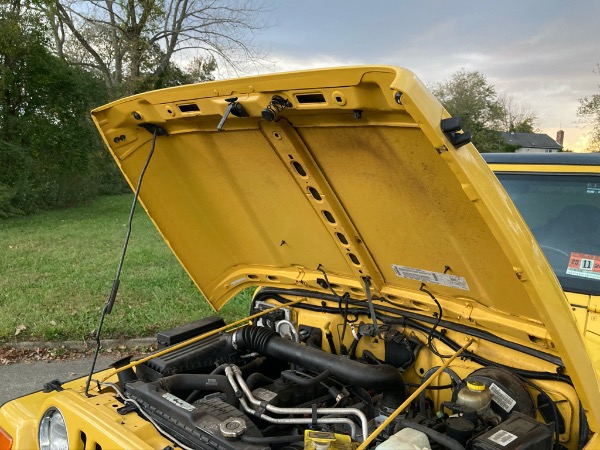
232 427
475 385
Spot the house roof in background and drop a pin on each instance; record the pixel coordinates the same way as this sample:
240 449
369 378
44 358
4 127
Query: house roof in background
530 140
562 158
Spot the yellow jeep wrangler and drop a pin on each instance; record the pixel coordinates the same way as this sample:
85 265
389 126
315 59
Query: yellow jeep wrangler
404 301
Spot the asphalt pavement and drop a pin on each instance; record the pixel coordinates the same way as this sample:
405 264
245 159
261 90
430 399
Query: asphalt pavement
20 379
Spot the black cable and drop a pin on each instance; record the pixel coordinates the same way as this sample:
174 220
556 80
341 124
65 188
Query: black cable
437 322
113 294
553 406
431 388
271 439
343 313
404 317
415 323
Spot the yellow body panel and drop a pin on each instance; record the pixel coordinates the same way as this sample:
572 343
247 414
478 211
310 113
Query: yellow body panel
355 182
90 420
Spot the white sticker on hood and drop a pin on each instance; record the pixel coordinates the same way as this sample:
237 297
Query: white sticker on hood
427 276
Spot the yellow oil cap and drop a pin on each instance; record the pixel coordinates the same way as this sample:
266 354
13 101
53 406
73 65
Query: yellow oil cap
475 385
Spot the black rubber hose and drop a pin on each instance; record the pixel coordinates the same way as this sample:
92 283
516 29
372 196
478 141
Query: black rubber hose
305 381
440 438
314 341
383 377
257 379
271 439
200 382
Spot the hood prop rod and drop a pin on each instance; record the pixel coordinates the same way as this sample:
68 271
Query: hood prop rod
413 396
156 131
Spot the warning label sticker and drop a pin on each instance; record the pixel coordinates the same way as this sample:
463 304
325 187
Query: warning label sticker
502 437
505 401
178 402
427 276
584 265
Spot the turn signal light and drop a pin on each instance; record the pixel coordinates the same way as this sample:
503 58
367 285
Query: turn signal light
5 440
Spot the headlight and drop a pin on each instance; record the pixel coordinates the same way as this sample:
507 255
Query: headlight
53 431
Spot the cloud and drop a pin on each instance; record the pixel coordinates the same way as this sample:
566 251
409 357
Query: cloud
541 54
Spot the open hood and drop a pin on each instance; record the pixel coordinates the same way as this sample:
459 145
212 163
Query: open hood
346 172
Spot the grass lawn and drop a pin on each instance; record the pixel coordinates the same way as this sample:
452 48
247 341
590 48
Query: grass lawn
57 269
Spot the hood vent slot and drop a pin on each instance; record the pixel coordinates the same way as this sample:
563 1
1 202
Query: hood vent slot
189 107
310 98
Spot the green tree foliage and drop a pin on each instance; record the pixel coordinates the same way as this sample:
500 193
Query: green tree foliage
469 95
589 111
50 155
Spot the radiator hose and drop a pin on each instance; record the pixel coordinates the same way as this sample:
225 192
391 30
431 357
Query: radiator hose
383 377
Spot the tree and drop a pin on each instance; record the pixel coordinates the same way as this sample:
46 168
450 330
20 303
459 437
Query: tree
49 150
469 95
589 111
519 117
132 43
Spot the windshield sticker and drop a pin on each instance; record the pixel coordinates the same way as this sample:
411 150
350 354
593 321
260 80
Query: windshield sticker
431 277
593 188
584 265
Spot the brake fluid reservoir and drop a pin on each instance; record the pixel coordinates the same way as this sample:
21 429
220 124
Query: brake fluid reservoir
475 395
406 439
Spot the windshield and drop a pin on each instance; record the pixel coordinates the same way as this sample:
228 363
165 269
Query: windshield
563 213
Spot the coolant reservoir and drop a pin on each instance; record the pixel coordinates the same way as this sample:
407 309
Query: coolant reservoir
406 439
475 395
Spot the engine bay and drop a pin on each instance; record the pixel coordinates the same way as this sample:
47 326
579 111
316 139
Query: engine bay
335 372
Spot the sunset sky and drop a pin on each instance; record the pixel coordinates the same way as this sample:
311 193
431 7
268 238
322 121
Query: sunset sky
543 53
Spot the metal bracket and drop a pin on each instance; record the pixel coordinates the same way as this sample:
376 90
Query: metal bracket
234 108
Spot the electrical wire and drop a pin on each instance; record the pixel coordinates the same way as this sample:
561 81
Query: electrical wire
402 317
415 323
437 322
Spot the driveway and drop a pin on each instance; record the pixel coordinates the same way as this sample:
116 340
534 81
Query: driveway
20 379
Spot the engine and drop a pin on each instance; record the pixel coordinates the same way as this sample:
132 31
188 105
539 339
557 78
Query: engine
316 378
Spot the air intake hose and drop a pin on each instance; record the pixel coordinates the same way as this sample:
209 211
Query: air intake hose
266 342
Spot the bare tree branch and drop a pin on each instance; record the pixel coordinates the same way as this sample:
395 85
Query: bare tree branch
133 43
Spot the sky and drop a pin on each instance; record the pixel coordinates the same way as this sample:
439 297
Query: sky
542 53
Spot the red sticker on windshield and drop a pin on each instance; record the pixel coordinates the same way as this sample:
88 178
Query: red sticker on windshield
584 265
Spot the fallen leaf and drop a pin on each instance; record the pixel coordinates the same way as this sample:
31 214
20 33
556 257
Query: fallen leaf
53 323
20 328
